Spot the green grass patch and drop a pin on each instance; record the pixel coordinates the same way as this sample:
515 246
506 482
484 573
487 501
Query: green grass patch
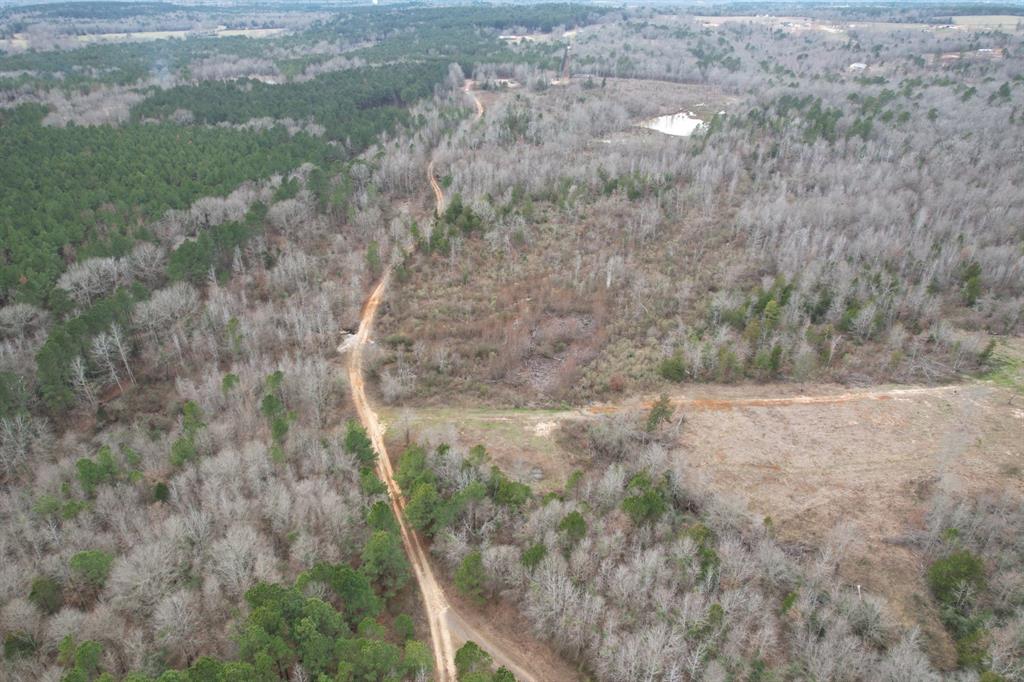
1007 367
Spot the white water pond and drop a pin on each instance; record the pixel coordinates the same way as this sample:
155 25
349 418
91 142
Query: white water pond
683 124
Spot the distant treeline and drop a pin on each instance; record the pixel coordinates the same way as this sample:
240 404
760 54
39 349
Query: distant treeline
399 32
102 10
352 105
910 12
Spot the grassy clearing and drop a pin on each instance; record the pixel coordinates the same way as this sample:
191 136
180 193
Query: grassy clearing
519 441
1008 366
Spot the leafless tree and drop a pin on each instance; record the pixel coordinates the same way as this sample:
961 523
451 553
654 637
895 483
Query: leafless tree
80 382
104 351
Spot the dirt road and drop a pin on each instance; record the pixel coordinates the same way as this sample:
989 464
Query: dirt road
434 603
439 202
442 619
438 192
468 89
740 402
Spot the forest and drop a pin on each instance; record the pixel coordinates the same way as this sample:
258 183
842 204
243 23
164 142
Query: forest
217 223
85 192
353 106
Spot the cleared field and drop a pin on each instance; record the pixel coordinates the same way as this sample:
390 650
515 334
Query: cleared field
143 36
20 41
522 442
1005 22
250 32
870 465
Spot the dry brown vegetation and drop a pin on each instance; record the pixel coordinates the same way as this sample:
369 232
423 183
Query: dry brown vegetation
787 242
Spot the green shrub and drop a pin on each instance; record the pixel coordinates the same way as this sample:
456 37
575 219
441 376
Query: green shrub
673 368
384 561
380 517
645 508
533 556
370 484
574 526
648 504
506 491
13 396
417 658
972 648
46 595
183 450
470 659
161 493
358 444
87 656
660 412
788 601
404 627
19 645
971 278
92 473
423 505
412 469
946 576
46 505
92 566
470 576
228 383
574 479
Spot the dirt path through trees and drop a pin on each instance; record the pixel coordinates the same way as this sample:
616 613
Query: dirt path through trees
439 201
438 192
434 603
440 616
468 89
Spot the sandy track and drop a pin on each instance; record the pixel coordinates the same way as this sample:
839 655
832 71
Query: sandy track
697 403
438 192
446 626
468 89
439 201
434 603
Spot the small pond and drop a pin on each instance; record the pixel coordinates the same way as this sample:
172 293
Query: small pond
683 124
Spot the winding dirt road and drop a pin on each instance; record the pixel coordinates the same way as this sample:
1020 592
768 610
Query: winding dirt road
438 192
434 603
446 626
439 202
468 89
